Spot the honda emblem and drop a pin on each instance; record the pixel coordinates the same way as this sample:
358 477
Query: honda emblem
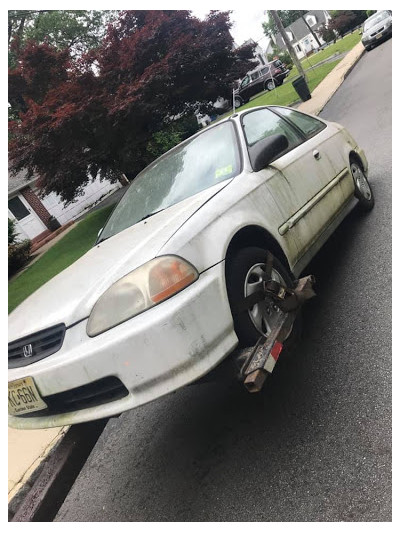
27 350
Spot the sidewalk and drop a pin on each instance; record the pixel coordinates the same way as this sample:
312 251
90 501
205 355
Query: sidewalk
28 448
329 85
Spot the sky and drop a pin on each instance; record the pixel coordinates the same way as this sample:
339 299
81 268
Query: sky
247 24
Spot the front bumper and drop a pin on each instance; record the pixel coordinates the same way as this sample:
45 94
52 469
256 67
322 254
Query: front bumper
152 354
369 41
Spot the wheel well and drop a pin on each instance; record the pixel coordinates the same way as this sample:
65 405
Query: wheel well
256 236
353 156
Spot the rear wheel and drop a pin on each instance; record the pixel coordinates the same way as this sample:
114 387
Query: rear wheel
270 85
244 277
363 189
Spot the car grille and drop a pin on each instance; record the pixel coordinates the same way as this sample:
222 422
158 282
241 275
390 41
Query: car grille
32 348
96 393
377 31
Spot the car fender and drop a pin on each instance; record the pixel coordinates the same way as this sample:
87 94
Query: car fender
247 201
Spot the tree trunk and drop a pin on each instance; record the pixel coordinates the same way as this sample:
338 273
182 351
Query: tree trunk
312 32
293 55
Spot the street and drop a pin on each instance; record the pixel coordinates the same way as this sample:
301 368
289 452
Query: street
315 445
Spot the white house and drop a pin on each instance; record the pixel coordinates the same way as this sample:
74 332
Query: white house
34 215
300 36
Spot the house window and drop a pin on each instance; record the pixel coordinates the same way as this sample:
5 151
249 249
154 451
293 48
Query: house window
298 48
311 20
17 208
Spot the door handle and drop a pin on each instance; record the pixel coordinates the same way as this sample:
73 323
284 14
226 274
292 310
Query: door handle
316 154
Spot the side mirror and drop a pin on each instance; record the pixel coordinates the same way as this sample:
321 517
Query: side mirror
265 151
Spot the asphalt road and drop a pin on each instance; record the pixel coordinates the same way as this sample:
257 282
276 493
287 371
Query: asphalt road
315 445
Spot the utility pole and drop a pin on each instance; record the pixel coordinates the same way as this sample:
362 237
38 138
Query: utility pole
293 55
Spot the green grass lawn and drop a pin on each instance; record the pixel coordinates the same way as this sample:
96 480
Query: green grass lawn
67 250
343 45
285 94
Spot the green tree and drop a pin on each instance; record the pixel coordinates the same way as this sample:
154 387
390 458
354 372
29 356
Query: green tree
78 30
287 17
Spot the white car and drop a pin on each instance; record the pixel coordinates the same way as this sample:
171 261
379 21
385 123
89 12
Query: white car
148 309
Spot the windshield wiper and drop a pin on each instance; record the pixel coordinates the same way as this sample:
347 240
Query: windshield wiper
102 240
151 214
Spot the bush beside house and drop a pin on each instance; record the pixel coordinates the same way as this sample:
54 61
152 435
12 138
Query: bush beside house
18 251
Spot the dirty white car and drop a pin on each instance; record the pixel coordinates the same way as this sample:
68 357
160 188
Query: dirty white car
148 309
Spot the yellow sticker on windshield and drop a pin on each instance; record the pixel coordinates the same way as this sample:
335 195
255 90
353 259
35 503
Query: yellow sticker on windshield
224 171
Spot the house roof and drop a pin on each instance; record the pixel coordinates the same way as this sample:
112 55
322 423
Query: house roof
299 27
18 182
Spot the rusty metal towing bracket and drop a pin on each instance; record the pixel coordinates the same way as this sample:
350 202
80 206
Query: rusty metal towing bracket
260 360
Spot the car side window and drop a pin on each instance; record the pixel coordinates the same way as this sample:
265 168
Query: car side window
310 126
245 82
255 76
263 123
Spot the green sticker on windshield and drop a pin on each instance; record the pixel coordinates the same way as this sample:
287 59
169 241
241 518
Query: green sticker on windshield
224 171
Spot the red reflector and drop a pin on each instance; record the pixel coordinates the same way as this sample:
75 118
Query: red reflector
276 350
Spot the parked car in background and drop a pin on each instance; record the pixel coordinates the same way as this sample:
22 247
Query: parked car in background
377 28
153 306
262 78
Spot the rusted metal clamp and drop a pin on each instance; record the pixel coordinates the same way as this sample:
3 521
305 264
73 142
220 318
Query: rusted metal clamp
261 359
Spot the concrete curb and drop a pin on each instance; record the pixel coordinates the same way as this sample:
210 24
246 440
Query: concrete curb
331 83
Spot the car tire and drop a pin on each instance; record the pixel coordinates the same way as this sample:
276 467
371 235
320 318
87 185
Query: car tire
368 48
238 102
270 85
363 189
243 276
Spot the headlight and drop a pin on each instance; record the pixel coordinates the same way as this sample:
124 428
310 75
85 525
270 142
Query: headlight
136 292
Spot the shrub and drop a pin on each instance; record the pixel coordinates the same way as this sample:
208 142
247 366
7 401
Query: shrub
18 255
12 231
18 251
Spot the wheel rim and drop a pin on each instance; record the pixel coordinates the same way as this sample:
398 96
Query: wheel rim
270 85
237 103
265 313
361 181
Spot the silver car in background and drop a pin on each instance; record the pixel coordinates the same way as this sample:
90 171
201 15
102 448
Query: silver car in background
377 28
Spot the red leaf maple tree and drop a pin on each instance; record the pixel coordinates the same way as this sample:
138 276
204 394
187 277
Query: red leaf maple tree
95 115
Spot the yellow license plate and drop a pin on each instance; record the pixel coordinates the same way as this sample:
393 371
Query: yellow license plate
23 397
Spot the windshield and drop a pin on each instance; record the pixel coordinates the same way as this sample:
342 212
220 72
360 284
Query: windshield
375 19
201 162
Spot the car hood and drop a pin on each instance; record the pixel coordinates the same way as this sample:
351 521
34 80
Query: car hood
70 296
376 27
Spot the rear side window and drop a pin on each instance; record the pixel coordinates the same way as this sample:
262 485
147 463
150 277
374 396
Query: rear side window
310 126
263 123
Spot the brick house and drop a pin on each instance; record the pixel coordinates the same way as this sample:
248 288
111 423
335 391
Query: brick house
35 216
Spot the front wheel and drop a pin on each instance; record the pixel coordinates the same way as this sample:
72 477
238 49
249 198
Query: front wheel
244 277
238 102
363 189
